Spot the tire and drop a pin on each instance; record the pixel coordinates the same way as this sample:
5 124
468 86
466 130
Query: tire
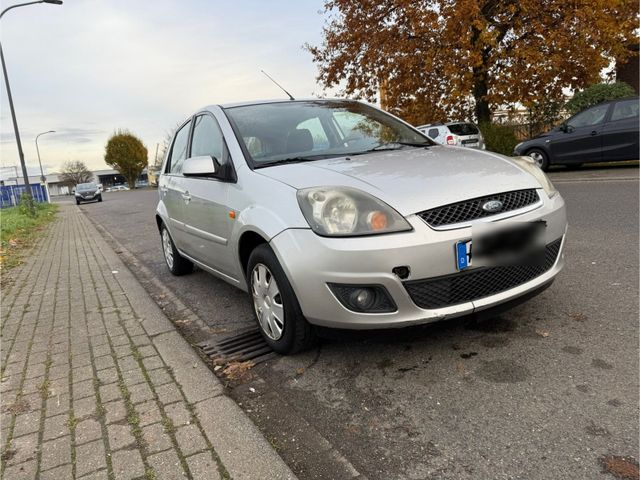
540 157
100 198
296 334
177 264
77 202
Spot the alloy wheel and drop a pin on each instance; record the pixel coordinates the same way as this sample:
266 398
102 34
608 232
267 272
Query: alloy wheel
167 247
267 301
538 158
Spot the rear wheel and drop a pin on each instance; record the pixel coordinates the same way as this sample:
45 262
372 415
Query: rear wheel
77 202
100 198
275 305
540 157
177 264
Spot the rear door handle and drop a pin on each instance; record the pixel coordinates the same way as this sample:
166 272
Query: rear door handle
594 133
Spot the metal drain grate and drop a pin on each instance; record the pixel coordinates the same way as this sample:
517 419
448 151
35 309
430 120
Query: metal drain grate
240 346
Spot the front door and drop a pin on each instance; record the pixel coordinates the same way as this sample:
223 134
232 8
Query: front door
207 214
582 140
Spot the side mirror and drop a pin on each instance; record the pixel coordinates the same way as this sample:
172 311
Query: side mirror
204 166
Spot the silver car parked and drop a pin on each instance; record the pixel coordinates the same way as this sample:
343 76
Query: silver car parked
334 213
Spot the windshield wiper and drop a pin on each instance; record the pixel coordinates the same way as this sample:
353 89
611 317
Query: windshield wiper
284 161
387 146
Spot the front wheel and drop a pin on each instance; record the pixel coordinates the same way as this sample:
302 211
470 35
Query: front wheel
77 202
100 198
540 157
275 305
177 264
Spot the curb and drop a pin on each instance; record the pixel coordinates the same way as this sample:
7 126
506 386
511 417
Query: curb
242 448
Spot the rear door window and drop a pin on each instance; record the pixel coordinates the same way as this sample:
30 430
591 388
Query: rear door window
624 110
179 149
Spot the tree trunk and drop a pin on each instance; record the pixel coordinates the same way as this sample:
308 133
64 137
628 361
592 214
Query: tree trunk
480 90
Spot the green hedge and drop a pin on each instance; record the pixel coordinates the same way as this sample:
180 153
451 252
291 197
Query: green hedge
499 138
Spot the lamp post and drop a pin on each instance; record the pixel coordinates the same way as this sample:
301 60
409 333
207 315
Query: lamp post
13 112
42 177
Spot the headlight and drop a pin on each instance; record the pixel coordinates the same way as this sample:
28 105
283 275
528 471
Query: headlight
344 211
529 164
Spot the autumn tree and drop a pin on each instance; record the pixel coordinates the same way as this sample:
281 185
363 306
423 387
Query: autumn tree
451 59
126 154
74 172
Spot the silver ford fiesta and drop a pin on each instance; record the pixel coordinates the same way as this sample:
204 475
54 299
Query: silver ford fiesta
334 213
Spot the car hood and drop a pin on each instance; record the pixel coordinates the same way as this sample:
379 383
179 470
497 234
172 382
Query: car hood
411 180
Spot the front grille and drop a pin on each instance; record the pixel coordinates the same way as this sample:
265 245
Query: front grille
477 283
472 209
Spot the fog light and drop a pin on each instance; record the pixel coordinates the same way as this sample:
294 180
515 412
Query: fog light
364 298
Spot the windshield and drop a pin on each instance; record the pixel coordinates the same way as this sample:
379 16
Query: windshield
311 130
463 128
86 186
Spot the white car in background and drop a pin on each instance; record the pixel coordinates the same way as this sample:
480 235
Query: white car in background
461 134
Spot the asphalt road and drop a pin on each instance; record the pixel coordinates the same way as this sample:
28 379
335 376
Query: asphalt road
543 392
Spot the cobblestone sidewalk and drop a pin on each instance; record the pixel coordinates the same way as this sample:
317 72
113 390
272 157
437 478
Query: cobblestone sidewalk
96 383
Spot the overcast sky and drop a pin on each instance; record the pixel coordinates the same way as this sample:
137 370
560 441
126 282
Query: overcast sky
89 67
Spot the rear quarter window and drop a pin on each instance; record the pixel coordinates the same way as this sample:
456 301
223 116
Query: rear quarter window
463 129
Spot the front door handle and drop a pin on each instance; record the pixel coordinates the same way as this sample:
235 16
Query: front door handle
163 189
594 133
186 196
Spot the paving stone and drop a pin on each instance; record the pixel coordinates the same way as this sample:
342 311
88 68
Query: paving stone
108 375
120 436
25 449
109 392
167 465
85 406
148 412
168 393
156 438
203 465
140 393
55 427
90 457
87 430
56 452
133 377
83 389
58 473
178 413
23 471
58 403
147 351
27 423
159 376
152 362
99 475
82 373
127 464
116 411
105 361
190 440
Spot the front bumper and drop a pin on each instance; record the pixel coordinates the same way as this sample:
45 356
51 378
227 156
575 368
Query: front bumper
311 262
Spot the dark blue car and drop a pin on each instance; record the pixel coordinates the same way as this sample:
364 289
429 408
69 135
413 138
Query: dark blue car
607 132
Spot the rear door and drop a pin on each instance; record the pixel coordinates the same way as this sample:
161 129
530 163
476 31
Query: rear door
207 221
171 186
582 142
620 134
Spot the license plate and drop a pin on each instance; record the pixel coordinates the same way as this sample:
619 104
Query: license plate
463 254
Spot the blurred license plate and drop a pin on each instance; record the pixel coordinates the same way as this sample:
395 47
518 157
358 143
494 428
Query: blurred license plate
463 254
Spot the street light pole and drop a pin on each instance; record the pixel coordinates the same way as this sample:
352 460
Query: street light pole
9 96
42 177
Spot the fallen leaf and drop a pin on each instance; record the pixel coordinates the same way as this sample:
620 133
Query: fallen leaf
542 334
237 370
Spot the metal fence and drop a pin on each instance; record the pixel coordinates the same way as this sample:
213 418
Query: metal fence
10 194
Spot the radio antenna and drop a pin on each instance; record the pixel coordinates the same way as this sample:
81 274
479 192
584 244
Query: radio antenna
280 86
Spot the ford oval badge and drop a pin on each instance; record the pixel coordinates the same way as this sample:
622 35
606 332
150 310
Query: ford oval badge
492 206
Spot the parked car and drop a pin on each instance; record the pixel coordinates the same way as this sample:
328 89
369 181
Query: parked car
462 134
87 192
607 132
118 188
334 213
